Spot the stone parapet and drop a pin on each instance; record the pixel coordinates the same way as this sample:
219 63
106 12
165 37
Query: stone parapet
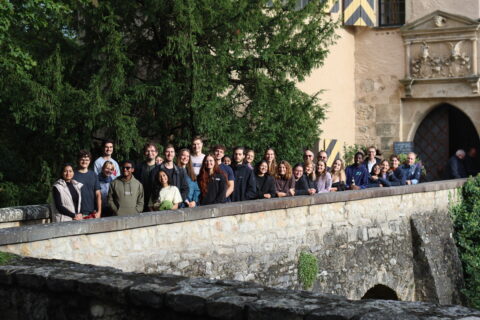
24 215
41 289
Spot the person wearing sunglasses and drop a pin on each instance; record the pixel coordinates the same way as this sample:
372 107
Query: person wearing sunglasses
125 195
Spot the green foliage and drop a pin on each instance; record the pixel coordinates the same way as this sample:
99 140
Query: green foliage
307 269
6 258
349 152
75 72
466 220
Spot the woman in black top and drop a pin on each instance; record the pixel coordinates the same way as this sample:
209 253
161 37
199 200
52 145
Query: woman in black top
387 177
212 182
66 197
265 182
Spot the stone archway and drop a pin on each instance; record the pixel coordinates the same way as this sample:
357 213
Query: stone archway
443 131
380 292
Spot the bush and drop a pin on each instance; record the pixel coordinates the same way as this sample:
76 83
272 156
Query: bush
307 269
466 221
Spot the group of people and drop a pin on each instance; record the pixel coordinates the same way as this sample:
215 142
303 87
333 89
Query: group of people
189 178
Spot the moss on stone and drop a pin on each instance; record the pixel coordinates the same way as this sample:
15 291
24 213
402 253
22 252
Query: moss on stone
307 269
6 258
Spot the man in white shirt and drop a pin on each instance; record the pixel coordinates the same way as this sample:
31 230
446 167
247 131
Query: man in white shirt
107 148
197 155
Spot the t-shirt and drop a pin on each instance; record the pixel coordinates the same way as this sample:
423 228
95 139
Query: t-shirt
170 193
97 167
169 173
88 190
146 170
228 170
197 163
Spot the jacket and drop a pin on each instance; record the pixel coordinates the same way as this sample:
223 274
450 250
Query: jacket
245 184
126 197
66 200
216 190
359 174
301 186
411 173
265 184
456 168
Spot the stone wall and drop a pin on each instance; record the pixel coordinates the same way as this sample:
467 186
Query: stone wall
23 216
51 289
361 239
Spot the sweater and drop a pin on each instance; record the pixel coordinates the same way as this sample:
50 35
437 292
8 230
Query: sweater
265 184
324 183
216 190
126 197
283 185
245 184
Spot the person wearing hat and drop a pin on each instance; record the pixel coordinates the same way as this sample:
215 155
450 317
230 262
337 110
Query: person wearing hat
168 197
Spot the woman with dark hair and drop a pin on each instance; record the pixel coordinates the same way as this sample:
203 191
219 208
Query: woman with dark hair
212 182
184 161
338 176
324 178
284 180
226 160
387 177
374 180
165 196
270 156
66 197
265 182
301 183
396 169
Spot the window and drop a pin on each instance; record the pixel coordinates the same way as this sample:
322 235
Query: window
392 12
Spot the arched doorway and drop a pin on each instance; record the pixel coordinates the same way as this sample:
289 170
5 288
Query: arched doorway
443 131
380 292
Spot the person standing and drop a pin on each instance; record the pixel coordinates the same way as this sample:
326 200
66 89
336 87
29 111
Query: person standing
212 182
371 159
308 155
250 158
270 157
357 174
125 195
456 167
107 151
470 161
324 178
284 180
219 154
144 170
184 161
411 170
168 197
301 183
264 182
245 185
66 197
197 155
105 178
91 204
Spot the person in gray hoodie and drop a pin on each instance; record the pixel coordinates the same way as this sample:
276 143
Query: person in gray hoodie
125 195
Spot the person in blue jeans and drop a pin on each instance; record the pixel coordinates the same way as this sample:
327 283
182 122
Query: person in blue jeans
357 174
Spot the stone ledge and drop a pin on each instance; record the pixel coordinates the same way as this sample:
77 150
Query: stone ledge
24 213
41 285
56 230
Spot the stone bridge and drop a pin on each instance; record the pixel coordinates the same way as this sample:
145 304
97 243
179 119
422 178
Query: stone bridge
384 241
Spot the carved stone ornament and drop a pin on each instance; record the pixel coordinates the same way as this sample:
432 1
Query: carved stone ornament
439 21
428 66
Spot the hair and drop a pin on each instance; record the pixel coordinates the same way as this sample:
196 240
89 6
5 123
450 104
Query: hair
157 180
257 167
460 152
247 150
189 166
382 164
107 163
272 169
62 168
84 154
357 154
372 172
394 156
149 145
311 176
341 173
288 173
204 177
239 148
324 170
195 138
219 146
107 141
124 162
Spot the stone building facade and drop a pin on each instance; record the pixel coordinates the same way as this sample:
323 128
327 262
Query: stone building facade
403 71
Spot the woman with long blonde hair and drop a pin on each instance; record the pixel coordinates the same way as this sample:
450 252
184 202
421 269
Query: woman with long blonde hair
338 176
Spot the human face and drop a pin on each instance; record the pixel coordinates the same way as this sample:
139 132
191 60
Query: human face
238 156
337 165
395 163
127 170
385 166
108 149
169 154
372 153
67 173
151 153
309 168
84 162
263 168
197 146
298 172
270 155
308 155
322 156
158 160
250 156
358 159
227 161
219 153
108 170
184 157
209 162
282 169
376 170
163 178
411 158
320 167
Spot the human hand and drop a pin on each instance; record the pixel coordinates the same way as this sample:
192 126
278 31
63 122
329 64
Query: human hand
267 195
78 216
192 204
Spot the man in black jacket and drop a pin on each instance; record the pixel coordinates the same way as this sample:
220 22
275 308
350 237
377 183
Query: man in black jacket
456 168
177 176
245 184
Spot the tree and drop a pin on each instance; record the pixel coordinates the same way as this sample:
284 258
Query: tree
153 70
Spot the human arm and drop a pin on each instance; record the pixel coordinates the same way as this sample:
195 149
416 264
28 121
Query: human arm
110 197
272 191
183 184
58 204
98 200
222 189
251 192
416 175
140 198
